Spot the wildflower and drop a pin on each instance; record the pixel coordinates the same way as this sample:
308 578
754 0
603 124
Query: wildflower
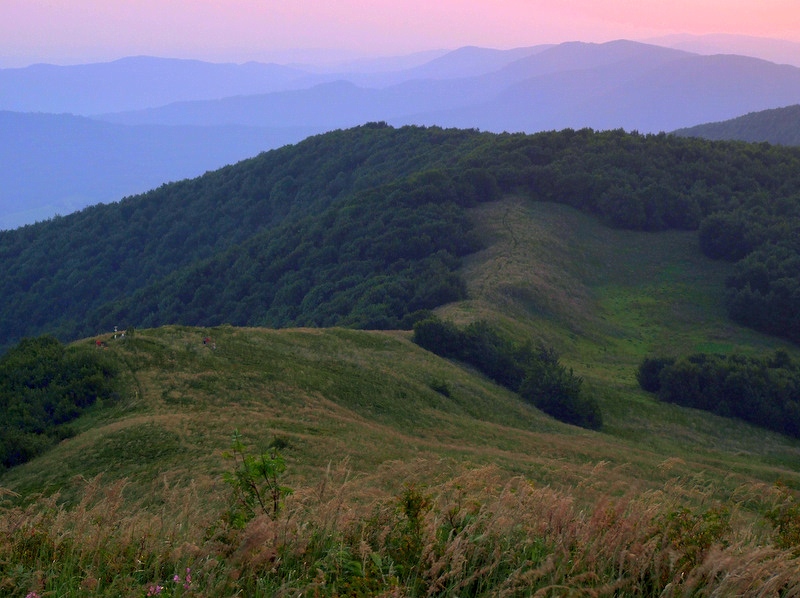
188 579
154 590
32 595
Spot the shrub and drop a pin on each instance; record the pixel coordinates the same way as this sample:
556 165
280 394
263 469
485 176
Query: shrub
649 373
725 237
557 391
438 336
256 482
536 375
785 518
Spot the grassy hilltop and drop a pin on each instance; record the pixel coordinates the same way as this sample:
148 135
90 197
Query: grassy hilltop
414 475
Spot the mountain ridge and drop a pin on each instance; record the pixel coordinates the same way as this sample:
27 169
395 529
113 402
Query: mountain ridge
779 51
691 86
778 125
132 82
572 85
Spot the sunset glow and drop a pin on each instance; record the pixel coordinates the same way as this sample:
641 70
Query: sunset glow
68 31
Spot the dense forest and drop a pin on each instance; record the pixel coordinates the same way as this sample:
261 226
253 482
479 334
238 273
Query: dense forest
366 227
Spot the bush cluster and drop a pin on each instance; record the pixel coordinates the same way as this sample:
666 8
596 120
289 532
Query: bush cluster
764 289
43 386
763 391
536 374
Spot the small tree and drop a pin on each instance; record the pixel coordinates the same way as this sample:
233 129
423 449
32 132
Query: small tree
256 482
440 337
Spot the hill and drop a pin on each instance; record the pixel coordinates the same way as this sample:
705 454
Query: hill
779 125
366 227
410 473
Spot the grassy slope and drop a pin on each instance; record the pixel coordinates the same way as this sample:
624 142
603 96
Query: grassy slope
604 298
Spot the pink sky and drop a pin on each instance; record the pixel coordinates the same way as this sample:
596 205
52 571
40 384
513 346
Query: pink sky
72 31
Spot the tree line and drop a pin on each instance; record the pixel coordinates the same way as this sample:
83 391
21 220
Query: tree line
764 391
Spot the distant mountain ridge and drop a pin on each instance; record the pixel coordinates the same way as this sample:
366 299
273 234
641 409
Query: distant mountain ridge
778 125
134 82
140 82
256 107
779 51
619 84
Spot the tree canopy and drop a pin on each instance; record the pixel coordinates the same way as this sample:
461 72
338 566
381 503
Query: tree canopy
366 227
43 386
761 390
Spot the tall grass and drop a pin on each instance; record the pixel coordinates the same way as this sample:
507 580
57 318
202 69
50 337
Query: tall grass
477 533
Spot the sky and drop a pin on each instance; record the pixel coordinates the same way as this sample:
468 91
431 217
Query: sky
76 31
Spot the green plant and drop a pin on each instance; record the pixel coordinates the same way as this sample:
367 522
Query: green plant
556 390
256 482
649 373
693 534
406 541
785 518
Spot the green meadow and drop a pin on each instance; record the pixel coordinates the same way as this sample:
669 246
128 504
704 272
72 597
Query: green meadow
412 475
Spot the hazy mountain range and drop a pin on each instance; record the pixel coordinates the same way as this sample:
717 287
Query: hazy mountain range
780 51
122 127
614 85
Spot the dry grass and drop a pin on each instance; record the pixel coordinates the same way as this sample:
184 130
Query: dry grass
472 532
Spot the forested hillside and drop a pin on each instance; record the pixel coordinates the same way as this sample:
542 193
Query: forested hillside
366 227
779 125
